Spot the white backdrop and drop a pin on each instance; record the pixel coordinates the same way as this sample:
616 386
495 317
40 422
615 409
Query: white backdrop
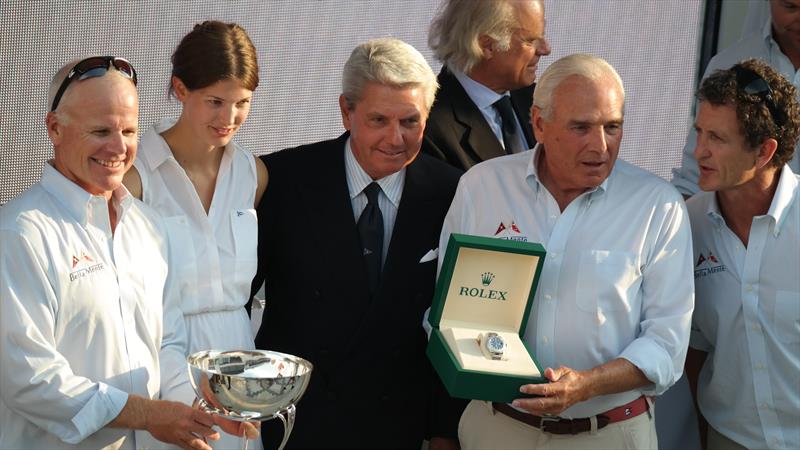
302 45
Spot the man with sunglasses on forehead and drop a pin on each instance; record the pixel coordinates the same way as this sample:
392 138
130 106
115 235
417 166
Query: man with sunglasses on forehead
83 271
744 358
776 42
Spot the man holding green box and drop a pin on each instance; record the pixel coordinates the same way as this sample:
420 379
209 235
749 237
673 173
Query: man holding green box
610 320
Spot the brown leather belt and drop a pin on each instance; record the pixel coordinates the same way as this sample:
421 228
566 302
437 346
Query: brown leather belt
559 425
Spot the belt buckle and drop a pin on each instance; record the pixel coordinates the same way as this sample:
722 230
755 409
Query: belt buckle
548 418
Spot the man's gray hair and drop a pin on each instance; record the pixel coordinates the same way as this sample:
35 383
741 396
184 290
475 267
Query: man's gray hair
580 64
390 62
454 33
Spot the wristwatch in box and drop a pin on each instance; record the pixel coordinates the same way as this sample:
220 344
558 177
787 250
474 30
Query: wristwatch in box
494 345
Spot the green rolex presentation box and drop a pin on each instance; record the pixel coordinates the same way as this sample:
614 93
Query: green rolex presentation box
486 285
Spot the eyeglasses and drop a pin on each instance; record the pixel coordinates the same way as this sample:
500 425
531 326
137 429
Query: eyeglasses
96 66
752 84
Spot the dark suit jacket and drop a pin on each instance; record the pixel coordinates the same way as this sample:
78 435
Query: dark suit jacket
372 384
458 133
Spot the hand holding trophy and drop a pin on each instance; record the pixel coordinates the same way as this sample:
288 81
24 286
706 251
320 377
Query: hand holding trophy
252 385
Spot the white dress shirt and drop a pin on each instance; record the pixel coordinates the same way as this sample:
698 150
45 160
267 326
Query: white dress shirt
748 320
616 280
759 45
80 315
388 199
484 99
215 254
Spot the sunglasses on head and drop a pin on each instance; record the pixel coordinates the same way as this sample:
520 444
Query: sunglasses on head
96 66
753 84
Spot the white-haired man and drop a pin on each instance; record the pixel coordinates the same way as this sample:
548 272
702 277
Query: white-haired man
82 274
610 321
490 50
347 229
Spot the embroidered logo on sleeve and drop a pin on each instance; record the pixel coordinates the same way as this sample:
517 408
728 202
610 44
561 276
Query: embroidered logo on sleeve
510 232
83 265
707 264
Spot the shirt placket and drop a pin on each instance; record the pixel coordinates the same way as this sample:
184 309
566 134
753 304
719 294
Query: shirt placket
113 257
206 245
557 236
209 247
754 332
128 304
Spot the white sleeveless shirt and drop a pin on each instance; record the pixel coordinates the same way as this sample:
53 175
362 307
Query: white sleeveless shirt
216 253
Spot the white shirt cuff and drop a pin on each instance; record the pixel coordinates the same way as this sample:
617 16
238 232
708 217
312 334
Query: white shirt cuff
103 407
654 362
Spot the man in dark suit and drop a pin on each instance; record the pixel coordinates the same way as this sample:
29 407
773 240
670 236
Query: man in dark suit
489 51
348 231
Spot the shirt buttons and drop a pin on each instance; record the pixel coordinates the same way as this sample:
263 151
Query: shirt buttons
748 287
548 297
545 339
759 366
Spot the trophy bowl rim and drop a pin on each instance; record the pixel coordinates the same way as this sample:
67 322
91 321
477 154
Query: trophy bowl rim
193 358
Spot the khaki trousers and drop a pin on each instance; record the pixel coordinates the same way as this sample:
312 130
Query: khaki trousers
716 441
482 428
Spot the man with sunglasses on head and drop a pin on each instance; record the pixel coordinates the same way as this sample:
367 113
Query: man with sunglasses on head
777 42
83 271
744 358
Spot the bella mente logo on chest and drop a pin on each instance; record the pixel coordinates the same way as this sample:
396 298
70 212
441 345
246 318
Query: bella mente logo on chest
708 264
82 266
483 292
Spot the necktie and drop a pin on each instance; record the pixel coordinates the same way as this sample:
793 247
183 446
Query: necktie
370 228
511 138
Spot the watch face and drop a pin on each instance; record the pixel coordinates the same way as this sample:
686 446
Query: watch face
495 344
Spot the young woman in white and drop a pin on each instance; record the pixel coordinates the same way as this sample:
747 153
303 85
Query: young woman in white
206 187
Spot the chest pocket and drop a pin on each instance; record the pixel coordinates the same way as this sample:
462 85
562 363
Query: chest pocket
182 257
244 226
607 281
787 316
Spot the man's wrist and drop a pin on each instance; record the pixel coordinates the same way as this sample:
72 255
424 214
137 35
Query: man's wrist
145 412
587 391
134 415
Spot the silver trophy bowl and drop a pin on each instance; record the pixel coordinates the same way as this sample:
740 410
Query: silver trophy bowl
250 385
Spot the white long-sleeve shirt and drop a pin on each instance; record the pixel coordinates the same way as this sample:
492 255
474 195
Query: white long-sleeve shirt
80 315
748 319
388 198
617 277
